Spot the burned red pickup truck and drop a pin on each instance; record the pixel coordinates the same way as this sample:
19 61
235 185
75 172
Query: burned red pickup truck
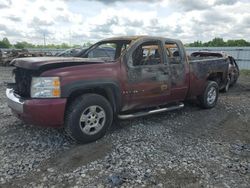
142 75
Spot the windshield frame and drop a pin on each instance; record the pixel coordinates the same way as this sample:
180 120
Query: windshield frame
118 52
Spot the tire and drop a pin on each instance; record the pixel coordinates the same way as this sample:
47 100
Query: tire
210 95
236 75
226 88
235 79
88 118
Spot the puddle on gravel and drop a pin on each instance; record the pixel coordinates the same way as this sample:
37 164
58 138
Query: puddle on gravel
179 179
78 156
66 161
235 127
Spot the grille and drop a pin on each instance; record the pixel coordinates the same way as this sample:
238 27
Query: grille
23 81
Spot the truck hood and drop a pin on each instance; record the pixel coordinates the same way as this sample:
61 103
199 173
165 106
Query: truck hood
36 63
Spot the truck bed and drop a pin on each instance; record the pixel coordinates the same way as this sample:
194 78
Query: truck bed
201 67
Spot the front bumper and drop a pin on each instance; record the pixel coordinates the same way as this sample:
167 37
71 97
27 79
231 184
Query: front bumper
41 112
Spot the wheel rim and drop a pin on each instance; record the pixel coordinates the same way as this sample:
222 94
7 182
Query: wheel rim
92 120
211 96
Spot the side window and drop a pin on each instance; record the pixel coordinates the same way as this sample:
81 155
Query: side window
98 52
148 53
106 50
173 53
111 52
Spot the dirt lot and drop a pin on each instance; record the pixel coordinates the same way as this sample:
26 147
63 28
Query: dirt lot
186 148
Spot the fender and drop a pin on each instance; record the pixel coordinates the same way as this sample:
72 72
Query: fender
111 87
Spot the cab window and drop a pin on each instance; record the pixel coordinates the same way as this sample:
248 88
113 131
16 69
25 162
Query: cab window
148 53
173 53
106 51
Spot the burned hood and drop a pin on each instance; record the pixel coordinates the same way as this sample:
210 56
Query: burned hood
36 63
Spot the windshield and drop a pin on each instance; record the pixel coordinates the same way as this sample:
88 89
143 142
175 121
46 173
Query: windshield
107 50
70 52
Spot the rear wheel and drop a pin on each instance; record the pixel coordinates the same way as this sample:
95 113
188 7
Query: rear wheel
234 79
210 95
226 88
88 118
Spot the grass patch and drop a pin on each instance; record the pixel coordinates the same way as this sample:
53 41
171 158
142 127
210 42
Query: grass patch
245 72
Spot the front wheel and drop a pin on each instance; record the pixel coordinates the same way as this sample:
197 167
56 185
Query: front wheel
88 117
210 95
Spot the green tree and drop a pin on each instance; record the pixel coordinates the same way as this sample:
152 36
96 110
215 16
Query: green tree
64 45
23 44
217 42
196 44
5 43
240 42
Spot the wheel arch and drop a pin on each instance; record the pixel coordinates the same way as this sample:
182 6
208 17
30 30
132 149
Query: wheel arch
218 77
108 89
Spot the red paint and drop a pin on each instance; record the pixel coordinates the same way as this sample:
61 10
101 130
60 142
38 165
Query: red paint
43 112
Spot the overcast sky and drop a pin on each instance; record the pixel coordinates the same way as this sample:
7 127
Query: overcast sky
77 21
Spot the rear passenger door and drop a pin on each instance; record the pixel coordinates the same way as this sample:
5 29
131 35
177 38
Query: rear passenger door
147 73
179 69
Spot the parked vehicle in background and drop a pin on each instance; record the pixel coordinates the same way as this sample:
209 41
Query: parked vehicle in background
2 54
8 55
233 68
69 52
141 75
98 52
80 52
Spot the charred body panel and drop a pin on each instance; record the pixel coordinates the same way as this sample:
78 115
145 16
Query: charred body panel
201 54
179 68
233 69
147 74
203 68
207 69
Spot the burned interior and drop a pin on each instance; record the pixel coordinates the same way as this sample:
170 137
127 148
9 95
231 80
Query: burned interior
148 53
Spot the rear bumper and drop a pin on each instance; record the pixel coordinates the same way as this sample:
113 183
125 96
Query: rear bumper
41 112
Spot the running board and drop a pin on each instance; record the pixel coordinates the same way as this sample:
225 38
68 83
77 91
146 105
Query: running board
139 114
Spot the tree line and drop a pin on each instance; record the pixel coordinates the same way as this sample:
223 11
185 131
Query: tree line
5 43
216 42
219 42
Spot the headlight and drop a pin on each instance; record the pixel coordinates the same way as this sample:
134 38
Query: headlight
45 87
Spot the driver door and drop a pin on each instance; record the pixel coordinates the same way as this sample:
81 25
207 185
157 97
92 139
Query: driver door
148 76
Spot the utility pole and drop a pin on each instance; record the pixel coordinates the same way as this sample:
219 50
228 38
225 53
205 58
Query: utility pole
44 40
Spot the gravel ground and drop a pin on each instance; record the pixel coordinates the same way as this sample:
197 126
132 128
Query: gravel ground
185 148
